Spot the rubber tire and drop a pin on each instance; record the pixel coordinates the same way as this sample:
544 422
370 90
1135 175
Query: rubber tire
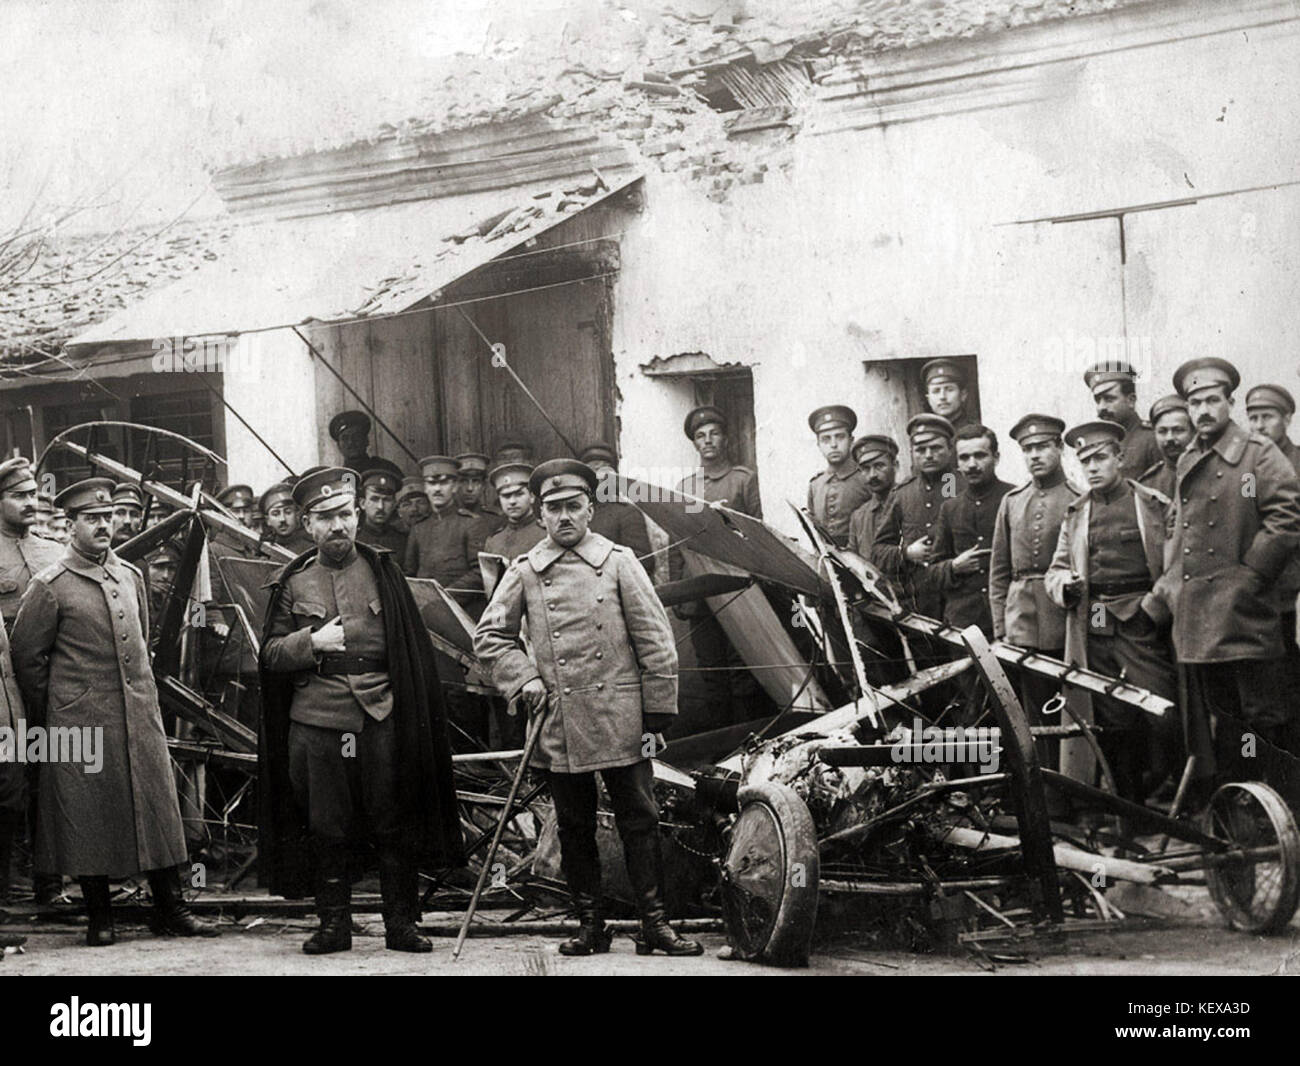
789 940
1288 838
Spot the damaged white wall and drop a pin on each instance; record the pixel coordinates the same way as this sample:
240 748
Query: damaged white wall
892 235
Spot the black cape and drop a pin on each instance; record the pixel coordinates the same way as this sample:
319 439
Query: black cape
286 866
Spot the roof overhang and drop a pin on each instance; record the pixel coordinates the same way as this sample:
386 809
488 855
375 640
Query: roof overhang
347 267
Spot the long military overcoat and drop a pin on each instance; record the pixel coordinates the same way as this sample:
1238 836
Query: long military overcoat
601 643
1236 522
81 657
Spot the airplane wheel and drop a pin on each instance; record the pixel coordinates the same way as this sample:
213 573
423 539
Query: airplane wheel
1257 896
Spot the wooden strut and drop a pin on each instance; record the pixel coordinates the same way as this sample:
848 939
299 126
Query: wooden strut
507 812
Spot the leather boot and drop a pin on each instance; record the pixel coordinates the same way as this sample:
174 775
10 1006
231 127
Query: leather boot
593 938
171 914
333 902
9 825
645 870
95 892
399 886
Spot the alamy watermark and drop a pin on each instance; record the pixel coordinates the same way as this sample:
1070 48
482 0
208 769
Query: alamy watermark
53 744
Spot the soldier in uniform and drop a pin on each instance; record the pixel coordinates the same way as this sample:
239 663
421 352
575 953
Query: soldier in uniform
44 512
128 512
877 457
444 546
378 506
514 451
839 490
963 538
60 526
1269 409
945 392
603 673
81 657
615 518
23 552
522 528
350 430
1236 523
1173 429
1113 388
905 533
730 688
239 501
353 730
283 519
1109 554
412 504
472 482
1024 539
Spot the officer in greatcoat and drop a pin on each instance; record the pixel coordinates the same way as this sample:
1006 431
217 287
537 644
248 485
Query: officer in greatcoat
353 727
1236 524
1024 539
1108 556
603 673
81 657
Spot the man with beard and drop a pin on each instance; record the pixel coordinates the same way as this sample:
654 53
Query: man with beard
877 457
905 534
128 512
283 519
522 527
353 728
945 391
81 657
378 508
1236 523
1024 538
1110 551
1173 429
839 490
1113 388
603 674
964 537
614 517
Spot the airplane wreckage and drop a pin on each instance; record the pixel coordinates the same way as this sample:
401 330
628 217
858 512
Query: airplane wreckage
899 789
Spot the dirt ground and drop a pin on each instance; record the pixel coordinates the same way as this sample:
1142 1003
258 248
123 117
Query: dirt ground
1193 942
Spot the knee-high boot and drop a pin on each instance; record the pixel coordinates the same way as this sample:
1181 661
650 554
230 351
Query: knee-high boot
333 901
171 914
645 869
399 885
95 892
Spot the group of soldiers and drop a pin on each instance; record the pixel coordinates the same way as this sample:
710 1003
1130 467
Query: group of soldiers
1176 567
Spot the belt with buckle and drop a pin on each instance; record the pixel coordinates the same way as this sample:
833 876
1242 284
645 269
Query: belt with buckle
336 664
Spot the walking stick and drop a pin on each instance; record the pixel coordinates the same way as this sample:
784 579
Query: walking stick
507 812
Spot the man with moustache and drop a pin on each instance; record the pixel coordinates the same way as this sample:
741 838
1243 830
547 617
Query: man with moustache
1173 429
128 512
964 536
905 534
1024 538
353 733
1236 524
81 657
877 457
603 674
1113 388
839 490
412 504
1269 410
946 393
1109 554
283 519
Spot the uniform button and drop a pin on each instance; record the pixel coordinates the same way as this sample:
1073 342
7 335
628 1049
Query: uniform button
114 594
1187 577
600 599
561 662
121 614
1213 498
126 658
600 655
547 581
550 606
600 625
1187 525
1210 550
1209 523
600 684
124 636
598 573
567 691
1218 473
927 503
1187 551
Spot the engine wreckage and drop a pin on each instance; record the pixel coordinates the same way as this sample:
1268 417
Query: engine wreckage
898 791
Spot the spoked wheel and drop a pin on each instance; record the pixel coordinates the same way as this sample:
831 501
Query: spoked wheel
770 876
1255 896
